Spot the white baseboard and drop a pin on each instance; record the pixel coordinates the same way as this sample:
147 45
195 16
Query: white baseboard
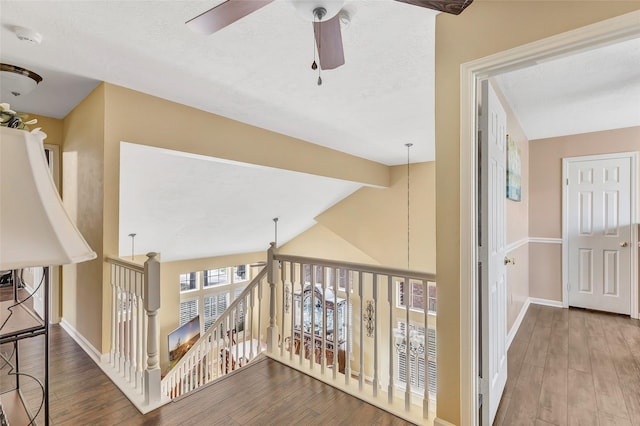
439 422
83 343
546 302
517 322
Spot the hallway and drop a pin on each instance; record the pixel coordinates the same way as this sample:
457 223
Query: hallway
573 367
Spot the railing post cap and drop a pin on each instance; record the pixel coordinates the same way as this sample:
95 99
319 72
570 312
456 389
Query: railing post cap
272 244
152 254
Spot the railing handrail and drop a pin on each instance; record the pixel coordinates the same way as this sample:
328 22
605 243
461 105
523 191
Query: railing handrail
359 267
216 325
125 263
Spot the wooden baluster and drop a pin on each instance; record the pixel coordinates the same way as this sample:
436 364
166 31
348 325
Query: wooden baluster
375 334
407 304
390 293
129 336
133 305
121 313
114 313
152 304
302 345
260 310
336 326
425 305
282 307
323 348
292 313
312 344
139 312
251 310
361 350
347 351
272 278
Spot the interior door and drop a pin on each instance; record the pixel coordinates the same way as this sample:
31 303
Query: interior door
599 233
493 137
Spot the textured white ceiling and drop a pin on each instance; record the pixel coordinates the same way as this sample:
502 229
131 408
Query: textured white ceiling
256 71
581 93
187 206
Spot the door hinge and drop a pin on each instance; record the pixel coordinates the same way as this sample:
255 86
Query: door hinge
567 181
483 389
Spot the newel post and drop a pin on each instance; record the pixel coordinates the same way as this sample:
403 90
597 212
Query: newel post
272 279
151 306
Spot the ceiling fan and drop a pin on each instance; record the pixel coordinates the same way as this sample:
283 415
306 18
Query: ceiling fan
323 14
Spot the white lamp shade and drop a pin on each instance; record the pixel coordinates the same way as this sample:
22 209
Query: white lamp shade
35 229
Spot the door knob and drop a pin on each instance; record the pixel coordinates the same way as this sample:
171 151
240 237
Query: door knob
509 260
624 244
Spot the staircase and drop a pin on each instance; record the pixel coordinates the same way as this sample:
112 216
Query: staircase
342 323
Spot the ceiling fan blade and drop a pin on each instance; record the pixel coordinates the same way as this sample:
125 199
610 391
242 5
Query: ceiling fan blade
224 14
455 7
329 42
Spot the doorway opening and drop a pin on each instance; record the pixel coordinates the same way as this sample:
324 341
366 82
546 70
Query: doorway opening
610 31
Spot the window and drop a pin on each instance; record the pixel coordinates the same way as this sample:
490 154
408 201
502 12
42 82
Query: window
433 304
218 276
188 282
240 273
418 382
240 318
188 310
344 277
214 306
416 296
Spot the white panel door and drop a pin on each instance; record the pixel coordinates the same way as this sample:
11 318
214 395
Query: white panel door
599 233
493 125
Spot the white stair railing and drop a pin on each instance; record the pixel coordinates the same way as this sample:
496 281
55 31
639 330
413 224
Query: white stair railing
135 300
231 342
345 324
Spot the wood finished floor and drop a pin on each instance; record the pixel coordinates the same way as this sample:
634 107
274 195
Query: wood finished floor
573 367
265 393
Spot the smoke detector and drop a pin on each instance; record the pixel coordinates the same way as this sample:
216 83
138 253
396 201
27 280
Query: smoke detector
28 35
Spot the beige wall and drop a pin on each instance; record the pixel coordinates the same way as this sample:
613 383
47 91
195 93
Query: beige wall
82 188
374 220
53 127
546 171
320 242
92 135
486 27
546 197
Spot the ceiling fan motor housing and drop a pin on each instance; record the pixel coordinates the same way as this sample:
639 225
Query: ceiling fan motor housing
306 9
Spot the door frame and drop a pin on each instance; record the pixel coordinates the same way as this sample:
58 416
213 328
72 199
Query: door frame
54 271
633 156
605 32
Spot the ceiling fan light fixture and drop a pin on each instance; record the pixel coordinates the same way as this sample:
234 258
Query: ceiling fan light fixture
306 9
17 81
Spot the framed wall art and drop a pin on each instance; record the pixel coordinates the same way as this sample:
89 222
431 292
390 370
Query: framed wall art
514 188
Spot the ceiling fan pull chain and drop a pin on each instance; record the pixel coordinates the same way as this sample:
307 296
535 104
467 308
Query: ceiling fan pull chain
318 13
